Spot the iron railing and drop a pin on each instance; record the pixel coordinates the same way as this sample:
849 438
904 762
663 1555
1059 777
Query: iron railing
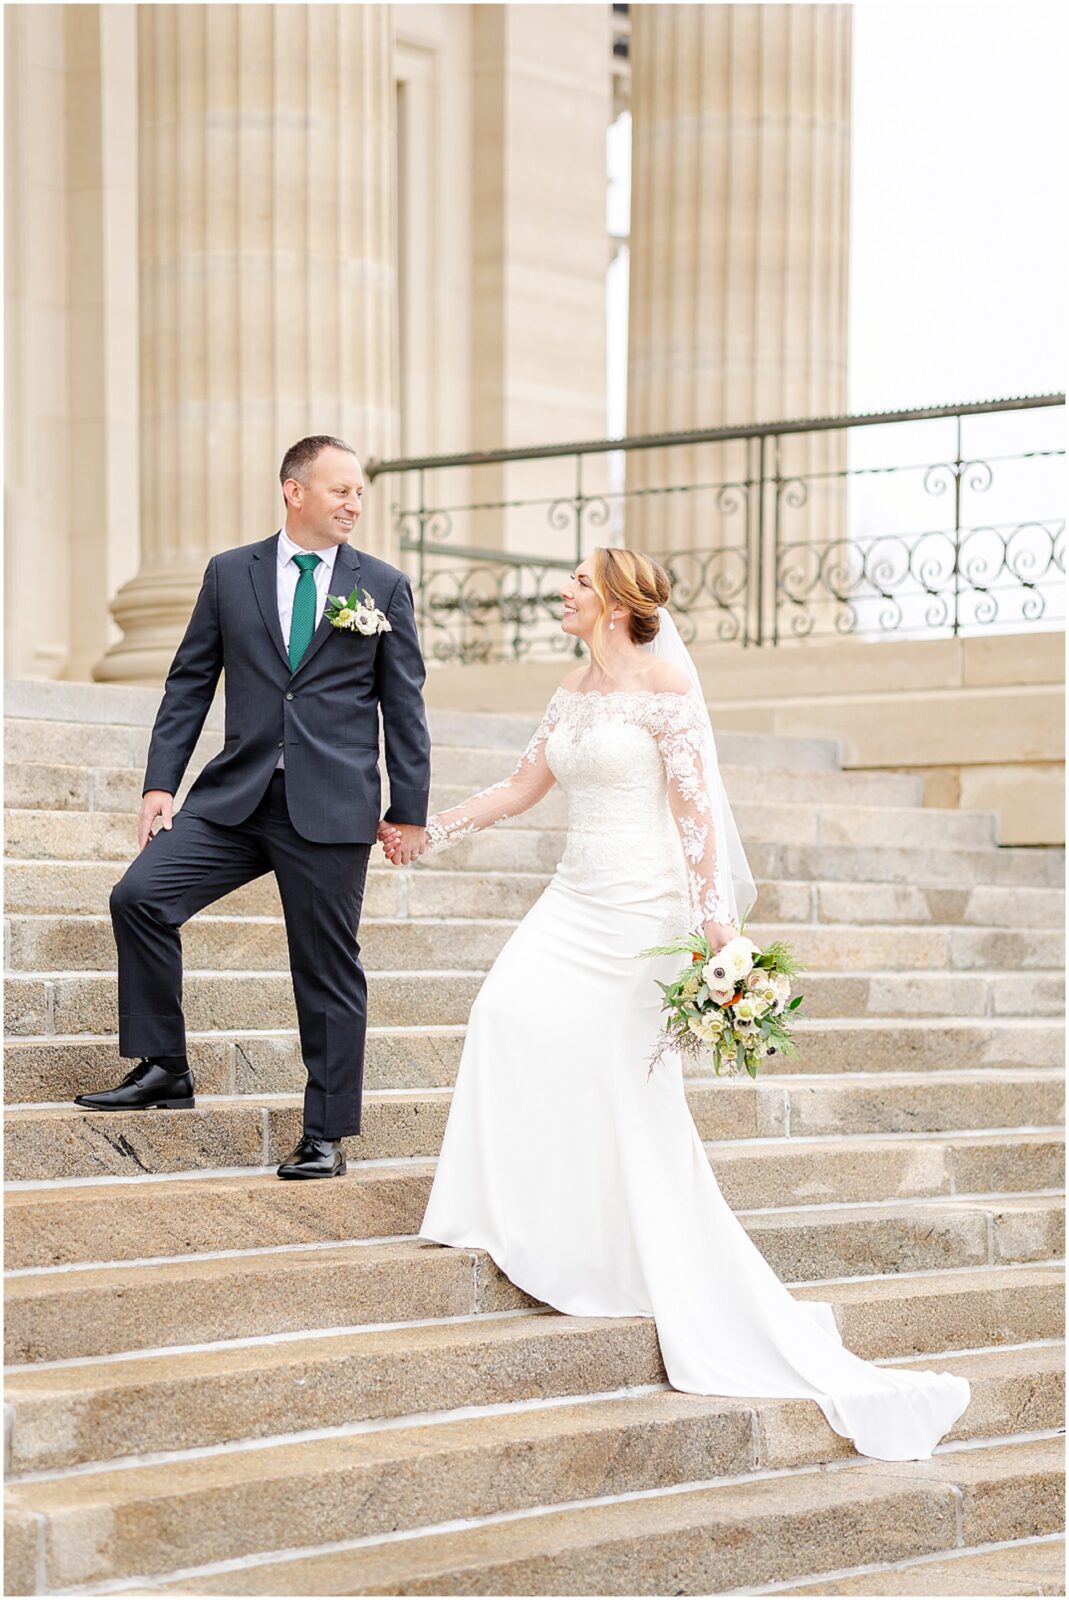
773 532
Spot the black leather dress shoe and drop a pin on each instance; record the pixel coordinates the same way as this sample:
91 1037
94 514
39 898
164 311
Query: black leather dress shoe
314 1158
146 1085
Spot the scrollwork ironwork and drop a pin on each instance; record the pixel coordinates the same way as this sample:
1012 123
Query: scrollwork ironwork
768 570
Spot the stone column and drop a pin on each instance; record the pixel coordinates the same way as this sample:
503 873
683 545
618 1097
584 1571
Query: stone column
541 107
36 495
739 251
267 279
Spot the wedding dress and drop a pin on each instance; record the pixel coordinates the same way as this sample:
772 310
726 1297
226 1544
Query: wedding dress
581 1173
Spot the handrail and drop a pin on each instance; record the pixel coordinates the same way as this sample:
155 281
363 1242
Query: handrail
374 468
760 559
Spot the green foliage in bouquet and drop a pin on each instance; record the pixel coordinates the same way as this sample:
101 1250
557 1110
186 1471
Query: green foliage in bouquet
715 1002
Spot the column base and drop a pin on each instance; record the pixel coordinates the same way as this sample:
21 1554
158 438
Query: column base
153 611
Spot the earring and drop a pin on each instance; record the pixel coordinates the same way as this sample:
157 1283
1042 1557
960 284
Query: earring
612 622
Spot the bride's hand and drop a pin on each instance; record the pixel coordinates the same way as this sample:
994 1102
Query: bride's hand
719 934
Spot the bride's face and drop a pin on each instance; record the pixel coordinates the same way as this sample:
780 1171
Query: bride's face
581 604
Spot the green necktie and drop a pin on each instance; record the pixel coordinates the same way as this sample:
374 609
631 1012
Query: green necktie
303 621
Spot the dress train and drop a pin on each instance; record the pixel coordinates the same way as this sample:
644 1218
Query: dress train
582 1173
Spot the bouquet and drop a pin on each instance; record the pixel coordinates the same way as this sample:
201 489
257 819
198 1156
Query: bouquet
735 1002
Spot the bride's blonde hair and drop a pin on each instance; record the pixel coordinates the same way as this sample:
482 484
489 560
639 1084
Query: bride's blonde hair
633 580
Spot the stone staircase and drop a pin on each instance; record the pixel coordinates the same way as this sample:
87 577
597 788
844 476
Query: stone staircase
219 1383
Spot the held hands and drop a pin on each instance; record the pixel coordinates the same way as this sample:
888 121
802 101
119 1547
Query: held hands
154 803
402 842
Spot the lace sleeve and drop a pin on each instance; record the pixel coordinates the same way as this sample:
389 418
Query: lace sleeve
682 736
528 781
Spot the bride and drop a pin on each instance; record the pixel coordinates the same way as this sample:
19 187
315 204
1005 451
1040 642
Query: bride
581 1173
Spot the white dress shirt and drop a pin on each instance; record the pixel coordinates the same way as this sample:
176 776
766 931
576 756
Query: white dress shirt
288 573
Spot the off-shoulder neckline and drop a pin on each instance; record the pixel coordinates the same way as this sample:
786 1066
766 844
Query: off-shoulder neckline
609 694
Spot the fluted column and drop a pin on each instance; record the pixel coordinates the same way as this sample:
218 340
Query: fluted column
267 279
739 251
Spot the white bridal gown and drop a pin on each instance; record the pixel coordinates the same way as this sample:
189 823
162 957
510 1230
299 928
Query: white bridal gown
583 1175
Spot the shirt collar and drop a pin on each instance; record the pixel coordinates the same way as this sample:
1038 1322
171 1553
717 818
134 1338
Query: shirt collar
287 550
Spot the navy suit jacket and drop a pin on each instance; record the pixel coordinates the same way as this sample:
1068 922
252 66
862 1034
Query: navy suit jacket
325 715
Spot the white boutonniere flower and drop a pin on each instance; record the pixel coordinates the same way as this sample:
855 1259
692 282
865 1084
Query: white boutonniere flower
358 616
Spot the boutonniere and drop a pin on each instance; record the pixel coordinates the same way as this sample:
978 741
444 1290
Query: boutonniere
358 616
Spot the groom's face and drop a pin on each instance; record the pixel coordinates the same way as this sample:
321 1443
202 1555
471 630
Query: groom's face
327 508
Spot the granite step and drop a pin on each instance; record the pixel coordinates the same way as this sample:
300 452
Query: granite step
456 774
775 812
83 943
58 1141
64 1315
51 1067
85 1002
94 736
710 1539
112 835
82 888
50 1223
128 706
796 823
93 1311
362 1484
1033 1566
1037 866
33 709
50 786
921 1044
88 1411
53 742
987 905
43 1072
526 850
244 944
516 848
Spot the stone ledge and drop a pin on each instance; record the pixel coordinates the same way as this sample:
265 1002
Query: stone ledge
212 1508
727 1538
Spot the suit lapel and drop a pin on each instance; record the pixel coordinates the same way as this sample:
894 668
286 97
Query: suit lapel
264 570
345 574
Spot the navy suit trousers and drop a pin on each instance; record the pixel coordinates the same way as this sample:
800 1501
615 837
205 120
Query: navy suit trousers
196 862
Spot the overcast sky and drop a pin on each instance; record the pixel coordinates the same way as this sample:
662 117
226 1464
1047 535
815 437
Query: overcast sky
957 262
957 243
957 270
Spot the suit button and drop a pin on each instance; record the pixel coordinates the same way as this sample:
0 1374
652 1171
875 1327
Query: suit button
280 742
289 697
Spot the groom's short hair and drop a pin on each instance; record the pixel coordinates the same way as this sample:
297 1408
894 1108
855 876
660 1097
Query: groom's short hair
299 456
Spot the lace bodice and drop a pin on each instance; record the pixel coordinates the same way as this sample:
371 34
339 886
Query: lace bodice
640 821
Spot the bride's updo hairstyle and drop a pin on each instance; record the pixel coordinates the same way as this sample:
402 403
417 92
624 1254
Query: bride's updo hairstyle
634 581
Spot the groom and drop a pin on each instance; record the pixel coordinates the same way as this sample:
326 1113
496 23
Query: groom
294 791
